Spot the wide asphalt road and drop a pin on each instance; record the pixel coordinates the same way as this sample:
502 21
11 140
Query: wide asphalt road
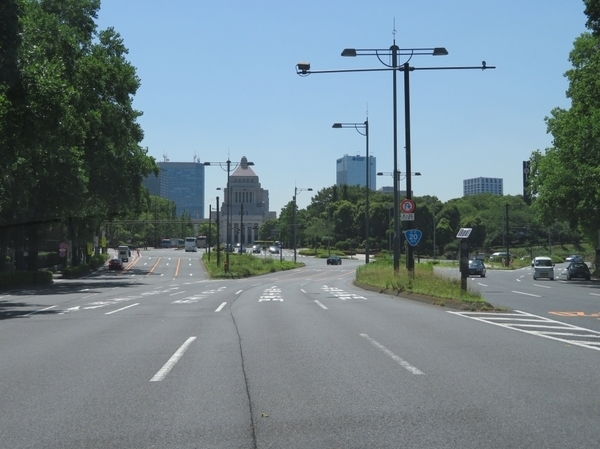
159 356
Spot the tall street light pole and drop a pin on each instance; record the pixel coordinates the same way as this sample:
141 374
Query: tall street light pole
358 127
296 192
303 69
218 239
242 228
227 164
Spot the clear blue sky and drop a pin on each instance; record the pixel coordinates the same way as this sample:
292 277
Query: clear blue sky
218 79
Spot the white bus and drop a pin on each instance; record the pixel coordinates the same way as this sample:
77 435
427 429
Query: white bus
190 244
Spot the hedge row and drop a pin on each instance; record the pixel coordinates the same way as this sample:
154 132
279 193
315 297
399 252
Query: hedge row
20 278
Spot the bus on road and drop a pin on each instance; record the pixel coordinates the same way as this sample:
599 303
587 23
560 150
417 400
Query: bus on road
201 241
190 244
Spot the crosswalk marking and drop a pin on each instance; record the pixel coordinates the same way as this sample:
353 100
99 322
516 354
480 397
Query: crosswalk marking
539 326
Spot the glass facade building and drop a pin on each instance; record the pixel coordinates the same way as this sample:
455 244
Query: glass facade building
351 170
182 183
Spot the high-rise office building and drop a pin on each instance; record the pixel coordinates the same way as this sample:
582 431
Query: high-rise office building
352 170
482 185
182 183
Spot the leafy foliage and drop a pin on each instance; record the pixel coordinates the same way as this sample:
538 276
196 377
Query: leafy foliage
566 178
67 126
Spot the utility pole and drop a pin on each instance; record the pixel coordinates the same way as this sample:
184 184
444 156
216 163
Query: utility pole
507 240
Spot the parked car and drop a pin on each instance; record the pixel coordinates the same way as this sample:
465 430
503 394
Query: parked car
578 270
239 248
256 249
574 258
543 268
334 260
115 264
274 249
476 268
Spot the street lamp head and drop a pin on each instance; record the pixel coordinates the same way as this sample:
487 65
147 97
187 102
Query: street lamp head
207 163
440 51
309 189
303 67
351 52
417 173
337 125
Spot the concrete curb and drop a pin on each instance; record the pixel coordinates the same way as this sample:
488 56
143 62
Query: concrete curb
440 302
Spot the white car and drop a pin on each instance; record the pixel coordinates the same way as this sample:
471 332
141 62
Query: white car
574 258
543 268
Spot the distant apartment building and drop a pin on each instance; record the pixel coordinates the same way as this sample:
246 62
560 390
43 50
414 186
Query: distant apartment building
483 185
182 183
352 171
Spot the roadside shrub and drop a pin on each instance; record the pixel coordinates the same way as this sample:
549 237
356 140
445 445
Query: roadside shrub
20 278
75 272
48 259
98 260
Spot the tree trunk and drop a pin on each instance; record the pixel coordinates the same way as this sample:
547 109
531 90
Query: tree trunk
74 243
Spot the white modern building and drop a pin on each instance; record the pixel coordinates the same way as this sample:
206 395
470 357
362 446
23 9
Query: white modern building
483 185
352 171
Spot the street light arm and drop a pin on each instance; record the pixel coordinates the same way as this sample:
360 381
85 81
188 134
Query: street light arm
356 126
389 68
308 72
428 51
480 67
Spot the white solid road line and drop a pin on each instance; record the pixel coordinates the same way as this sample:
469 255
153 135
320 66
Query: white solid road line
122 308
220 307
393 356
161 374
526 294
321 305
178 293
41 310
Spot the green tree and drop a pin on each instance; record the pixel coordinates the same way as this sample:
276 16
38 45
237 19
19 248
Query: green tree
443 233
344 220
566 179
67 121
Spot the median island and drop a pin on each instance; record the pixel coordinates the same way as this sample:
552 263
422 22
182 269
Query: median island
245 265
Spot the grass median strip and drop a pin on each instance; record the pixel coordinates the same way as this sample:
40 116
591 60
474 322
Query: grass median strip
423 281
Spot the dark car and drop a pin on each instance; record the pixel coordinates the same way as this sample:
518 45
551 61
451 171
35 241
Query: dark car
115 264
578 270
476 268
256 249
334 260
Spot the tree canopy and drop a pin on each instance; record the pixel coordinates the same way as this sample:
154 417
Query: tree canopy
565 179
69 132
